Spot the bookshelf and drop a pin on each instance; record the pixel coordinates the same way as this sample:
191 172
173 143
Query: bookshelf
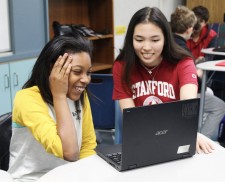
96 14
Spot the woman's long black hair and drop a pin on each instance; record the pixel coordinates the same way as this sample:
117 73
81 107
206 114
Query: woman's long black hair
53 49
171 51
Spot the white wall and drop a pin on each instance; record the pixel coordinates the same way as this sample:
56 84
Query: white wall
4 27
124 10
168 6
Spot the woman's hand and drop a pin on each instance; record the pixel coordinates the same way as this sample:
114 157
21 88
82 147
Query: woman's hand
200 59
59 76
204 144
65 126
199 73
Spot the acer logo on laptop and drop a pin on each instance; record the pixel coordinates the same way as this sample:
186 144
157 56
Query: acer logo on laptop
161 132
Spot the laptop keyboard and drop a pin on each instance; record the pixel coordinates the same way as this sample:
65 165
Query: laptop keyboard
116 157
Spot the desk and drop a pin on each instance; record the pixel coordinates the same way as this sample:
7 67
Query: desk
199 168
206 66
211 52
5 176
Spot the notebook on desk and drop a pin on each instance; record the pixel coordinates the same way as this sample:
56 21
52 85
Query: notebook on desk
154 134
222 63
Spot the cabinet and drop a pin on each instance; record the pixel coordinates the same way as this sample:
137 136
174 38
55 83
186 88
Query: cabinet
96 14
12 77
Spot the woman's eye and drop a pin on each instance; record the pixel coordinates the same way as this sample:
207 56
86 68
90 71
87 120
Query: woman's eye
138 40
77 72
155 40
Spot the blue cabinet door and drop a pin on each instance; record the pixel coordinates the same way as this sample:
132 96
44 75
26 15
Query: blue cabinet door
20 72
5 92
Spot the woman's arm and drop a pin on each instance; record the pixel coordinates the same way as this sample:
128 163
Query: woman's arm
188 91
126 103
65 125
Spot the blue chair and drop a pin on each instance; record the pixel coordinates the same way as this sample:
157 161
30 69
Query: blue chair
118 123
102 106
5 137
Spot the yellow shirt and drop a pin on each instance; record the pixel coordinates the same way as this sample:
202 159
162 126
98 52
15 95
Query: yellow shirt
35 146
31 111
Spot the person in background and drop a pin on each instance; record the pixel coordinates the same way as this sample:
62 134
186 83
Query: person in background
52 121
203 36
151 68
182 23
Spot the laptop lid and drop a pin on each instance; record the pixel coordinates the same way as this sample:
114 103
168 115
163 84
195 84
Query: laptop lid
219 49
158 133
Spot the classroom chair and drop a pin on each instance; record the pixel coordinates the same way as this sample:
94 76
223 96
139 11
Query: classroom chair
103 107
5 136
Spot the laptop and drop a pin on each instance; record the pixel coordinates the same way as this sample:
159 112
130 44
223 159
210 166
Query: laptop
219 49
154 134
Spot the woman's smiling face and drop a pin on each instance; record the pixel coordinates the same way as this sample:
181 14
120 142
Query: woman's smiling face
80 75
148 42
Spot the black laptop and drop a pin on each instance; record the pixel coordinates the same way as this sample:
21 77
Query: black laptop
154 134
219 49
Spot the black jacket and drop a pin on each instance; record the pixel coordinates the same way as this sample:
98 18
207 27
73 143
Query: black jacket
182 42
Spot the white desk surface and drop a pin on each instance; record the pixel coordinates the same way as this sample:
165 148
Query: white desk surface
210 66
210 51
5 176
199 168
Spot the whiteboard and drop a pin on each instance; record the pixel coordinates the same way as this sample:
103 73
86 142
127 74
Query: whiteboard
4 27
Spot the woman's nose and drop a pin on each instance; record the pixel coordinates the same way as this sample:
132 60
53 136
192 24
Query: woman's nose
147 45
85 78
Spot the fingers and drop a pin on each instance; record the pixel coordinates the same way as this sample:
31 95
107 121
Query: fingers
68 68
204 145
198 150
206 148
59 76
65 65
56 67
62 66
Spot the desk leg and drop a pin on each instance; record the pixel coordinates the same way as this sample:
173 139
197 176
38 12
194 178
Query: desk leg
202 101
